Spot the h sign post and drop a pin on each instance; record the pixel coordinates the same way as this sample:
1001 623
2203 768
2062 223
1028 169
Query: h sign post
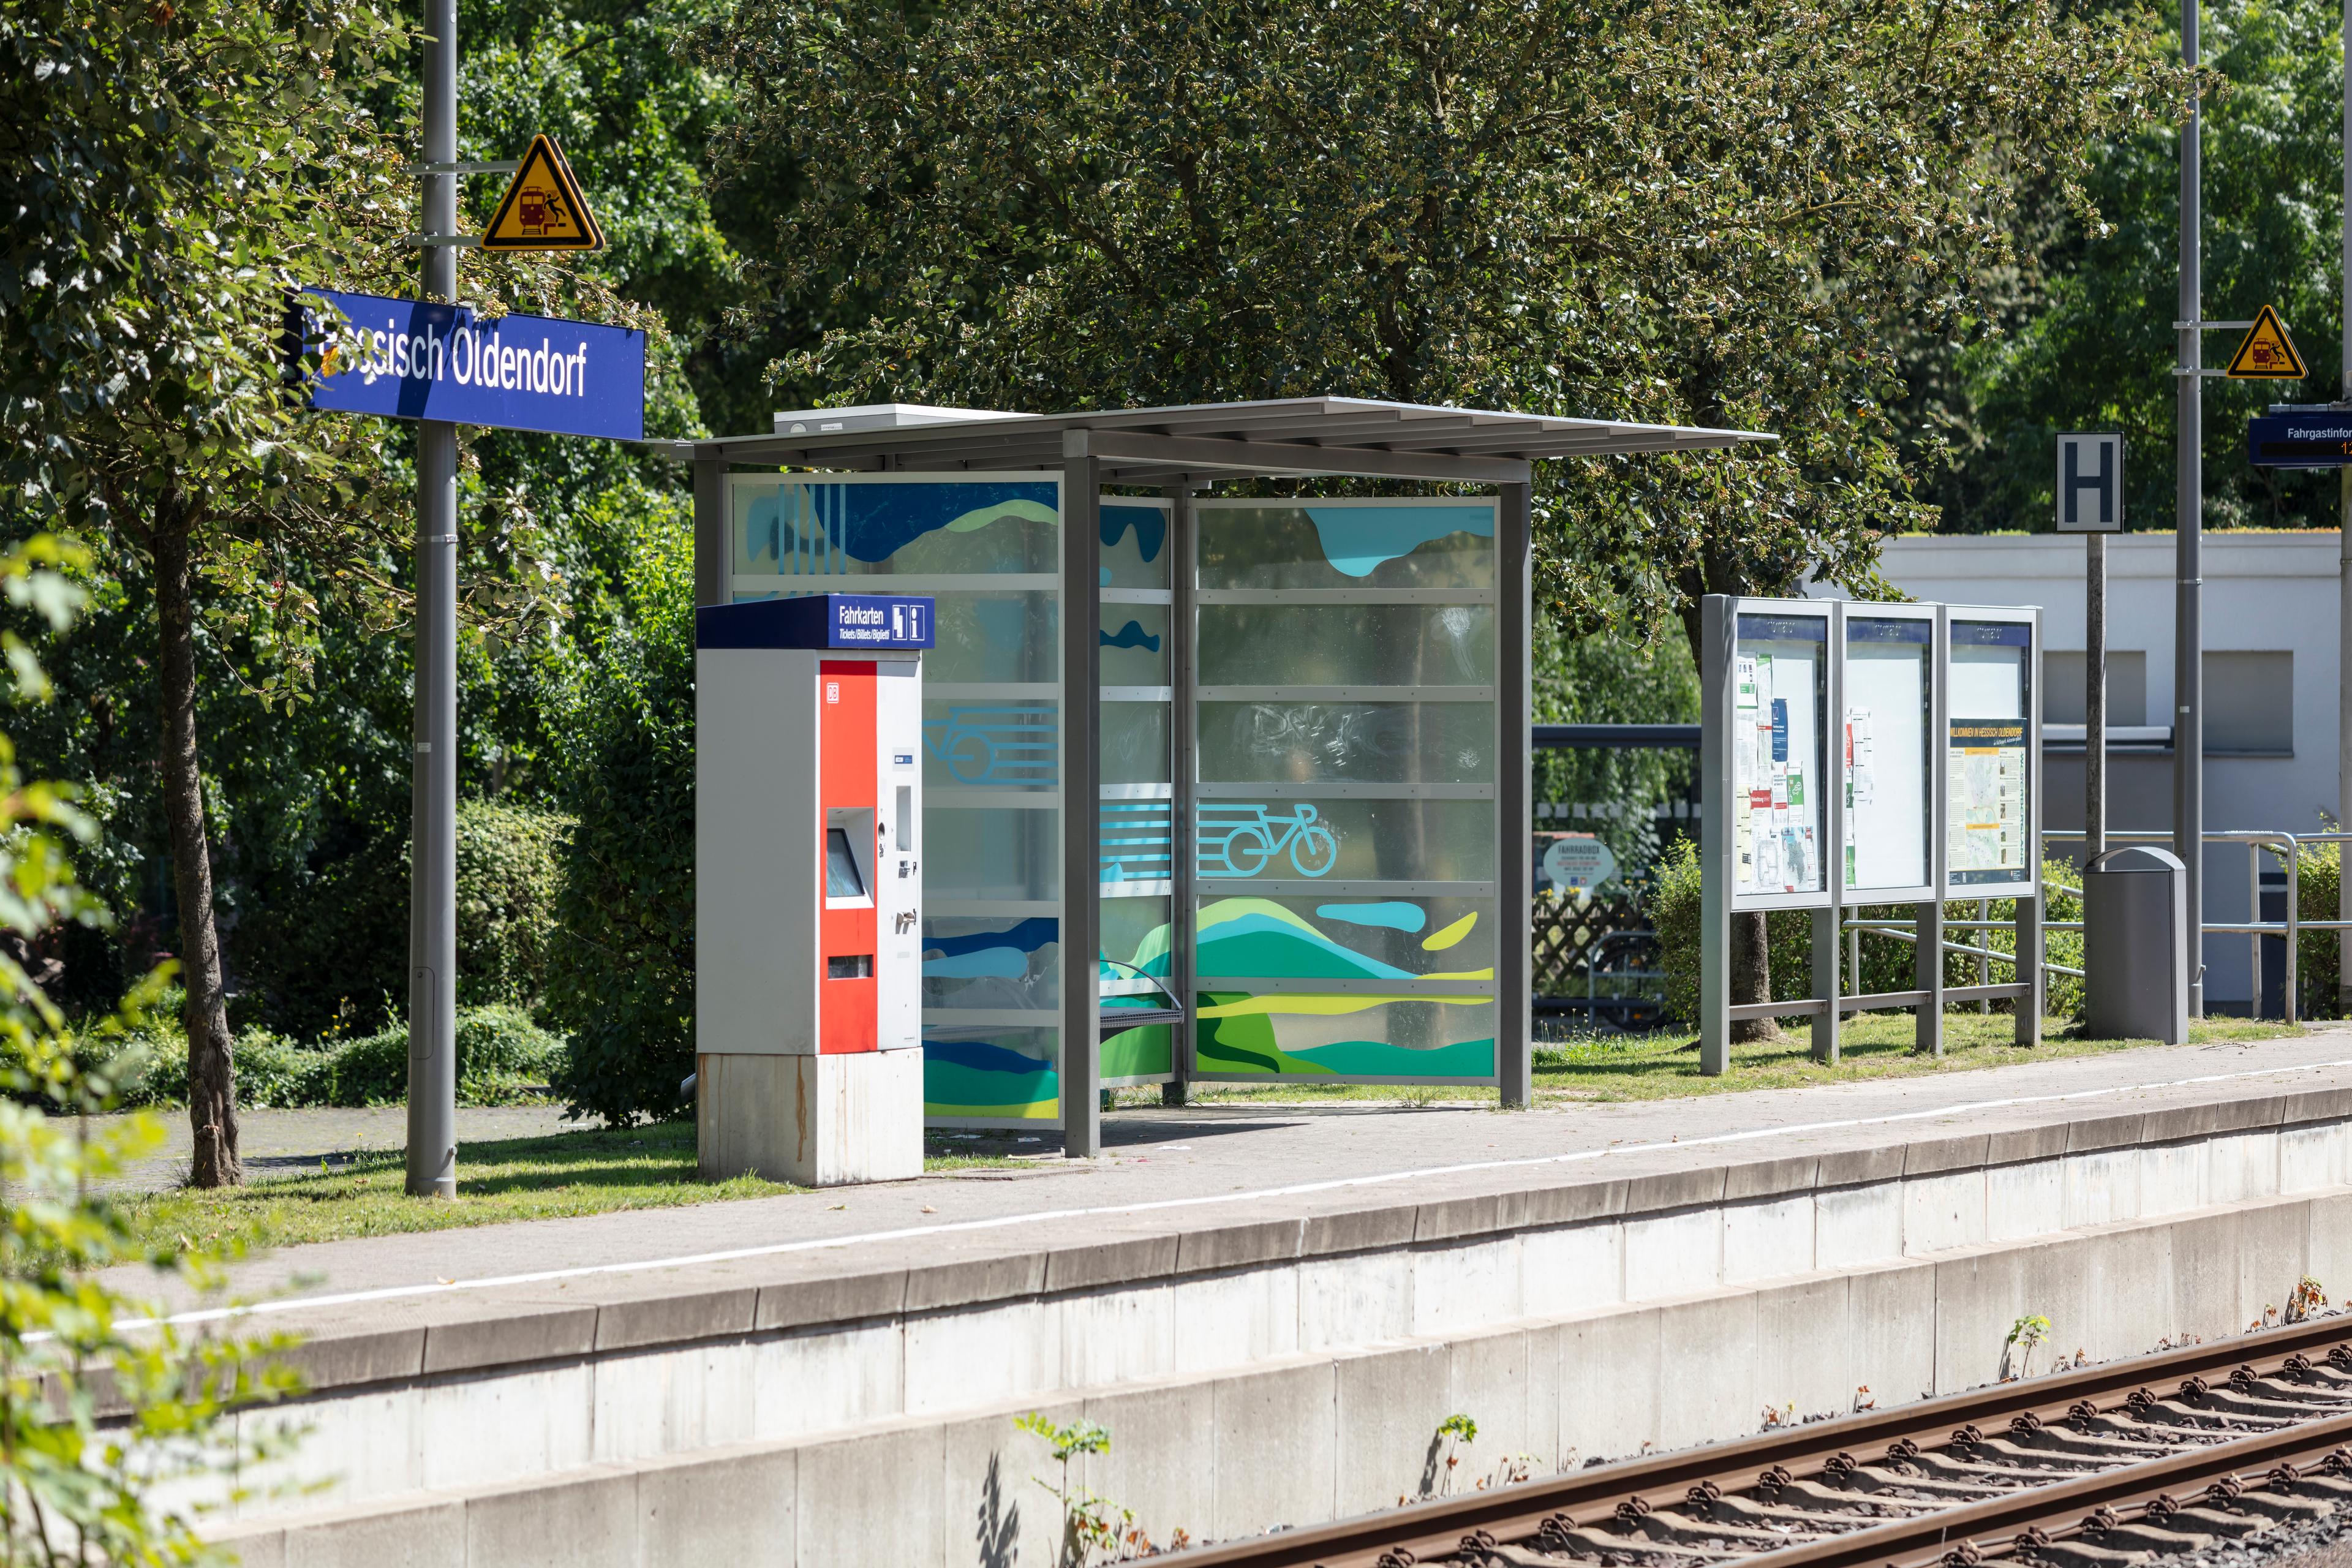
2091 503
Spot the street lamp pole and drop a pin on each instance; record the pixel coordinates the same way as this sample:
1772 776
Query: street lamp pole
2187 634
433 841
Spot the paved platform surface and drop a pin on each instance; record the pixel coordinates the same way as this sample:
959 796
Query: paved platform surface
1220 1165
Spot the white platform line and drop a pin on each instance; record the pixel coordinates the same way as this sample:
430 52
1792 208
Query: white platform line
954 1227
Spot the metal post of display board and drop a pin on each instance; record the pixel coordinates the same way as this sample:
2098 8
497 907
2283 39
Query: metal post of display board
1829 917
1717 620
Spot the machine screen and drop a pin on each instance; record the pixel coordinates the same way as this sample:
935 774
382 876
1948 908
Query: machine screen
841 877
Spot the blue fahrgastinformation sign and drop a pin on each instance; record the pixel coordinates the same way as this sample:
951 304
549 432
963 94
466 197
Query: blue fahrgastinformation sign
408 360
2318 438
818 620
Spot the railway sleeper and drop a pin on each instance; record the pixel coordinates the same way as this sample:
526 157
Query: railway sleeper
2146 1537
1852 1503
1910 1486
2226 1401
2215 1521
2084 1554
1576 1541
1683 1531
2049 1460
1846 1517
1940 1464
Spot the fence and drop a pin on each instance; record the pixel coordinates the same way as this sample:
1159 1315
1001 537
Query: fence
2286 847
1573 939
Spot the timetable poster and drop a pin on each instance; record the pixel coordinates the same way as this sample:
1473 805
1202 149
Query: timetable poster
1884 741
1778 672
1987 778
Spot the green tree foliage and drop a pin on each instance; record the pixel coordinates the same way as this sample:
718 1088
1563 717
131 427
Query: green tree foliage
621 973
171 170
85 1452
1711 214
2086 339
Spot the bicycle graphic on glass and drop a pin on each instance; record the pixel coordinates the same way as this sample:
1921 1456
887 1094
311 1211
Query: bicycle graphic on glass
995 745
1240 840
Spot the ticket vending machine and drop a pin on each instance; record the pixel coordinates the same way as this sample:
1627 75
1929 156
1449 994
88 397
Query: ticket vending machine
808 904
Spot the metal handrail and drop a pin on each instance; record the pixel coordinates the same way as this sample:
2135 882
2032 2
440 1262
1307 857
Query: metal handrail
1592 963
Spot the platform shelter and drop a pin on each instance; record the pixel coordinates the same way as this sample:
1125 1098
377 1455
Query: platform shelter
1217 787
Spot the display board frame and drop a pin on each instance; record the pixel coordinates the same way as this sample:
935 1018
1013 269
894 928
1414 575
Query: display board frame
1750 627
1730 628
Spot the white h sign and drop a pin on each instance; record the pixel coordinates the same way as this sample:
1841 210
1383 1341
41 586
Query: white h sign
2090 481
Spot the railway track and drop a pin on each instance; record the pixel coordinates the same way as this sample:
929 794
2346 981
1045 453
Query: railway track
2096 1468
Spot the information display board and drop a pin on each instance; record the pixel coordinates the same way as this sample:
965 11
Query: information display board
1889 712
1989 759
1779 755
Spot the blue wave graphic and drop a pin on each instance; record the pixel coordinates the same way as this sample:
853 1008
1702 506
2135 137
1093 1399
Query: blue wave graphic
983 1056
1025 936
1358 539
986 963
1131 635
872 522
1151 525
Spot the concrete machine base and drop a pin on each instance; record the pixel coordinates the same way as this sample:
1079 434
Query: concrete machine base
813 1121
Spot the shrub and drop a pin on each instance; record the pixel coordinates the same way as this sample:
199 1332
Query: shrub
621 976
2318 955
501 1052
1887 961
331 954
508 874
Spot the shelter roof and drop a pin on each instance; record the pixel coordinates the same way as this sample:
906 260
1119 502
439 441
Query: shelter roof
1206 441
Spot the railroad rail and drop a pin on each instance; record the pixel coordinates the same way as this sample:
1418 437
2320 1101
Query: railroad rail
2092 1468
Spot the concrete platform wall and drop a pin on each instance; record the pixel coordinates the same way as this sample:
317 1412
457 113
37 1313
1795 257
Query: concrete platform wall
1309 1437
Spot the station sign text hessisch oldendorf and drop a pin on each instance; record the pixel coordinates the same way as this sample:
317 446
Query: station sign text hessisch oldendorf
406 359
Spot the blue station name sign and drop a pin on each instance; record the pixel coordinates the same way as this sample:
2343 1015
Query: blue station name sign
406 359
2300 438
818 621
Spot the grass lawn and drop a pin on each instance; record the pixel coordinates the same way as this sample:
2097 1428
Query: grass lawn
1665 1066
516 1178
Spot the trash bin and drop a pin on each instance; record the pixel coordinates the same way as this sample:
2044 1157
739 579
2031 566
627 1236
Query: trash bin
2135 945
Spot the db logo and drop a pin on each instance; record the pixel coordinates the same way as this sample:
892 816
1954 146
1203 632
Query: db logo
833 692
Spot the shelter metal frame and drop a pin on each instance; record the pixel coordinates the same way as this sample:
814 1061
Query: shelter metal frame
1178 450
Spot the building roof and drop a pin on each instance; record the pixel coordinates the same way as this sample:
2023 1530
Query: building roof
1291 435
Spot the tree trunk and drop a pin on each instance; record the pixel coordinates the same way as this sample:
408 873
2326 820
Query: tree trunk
1751 977
212 1066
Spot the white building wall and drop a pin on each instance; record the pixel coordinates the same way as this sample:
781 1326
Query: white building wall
2263 592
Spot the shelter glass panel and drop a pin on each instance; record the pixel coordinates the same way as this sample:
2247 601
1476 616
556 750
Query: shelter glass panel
1346 645
1989 756
1135 832
1323 758
1360 742
987 548
1779 741
1888 712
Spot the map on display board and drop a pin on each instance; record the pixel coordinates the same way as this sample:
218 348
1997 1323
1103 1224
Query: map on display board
1886 752
1776 750
1986 779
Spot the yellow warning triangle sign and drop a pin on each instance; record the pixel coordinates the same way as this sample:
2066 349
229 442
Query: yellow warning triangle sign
542 209
2267 354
